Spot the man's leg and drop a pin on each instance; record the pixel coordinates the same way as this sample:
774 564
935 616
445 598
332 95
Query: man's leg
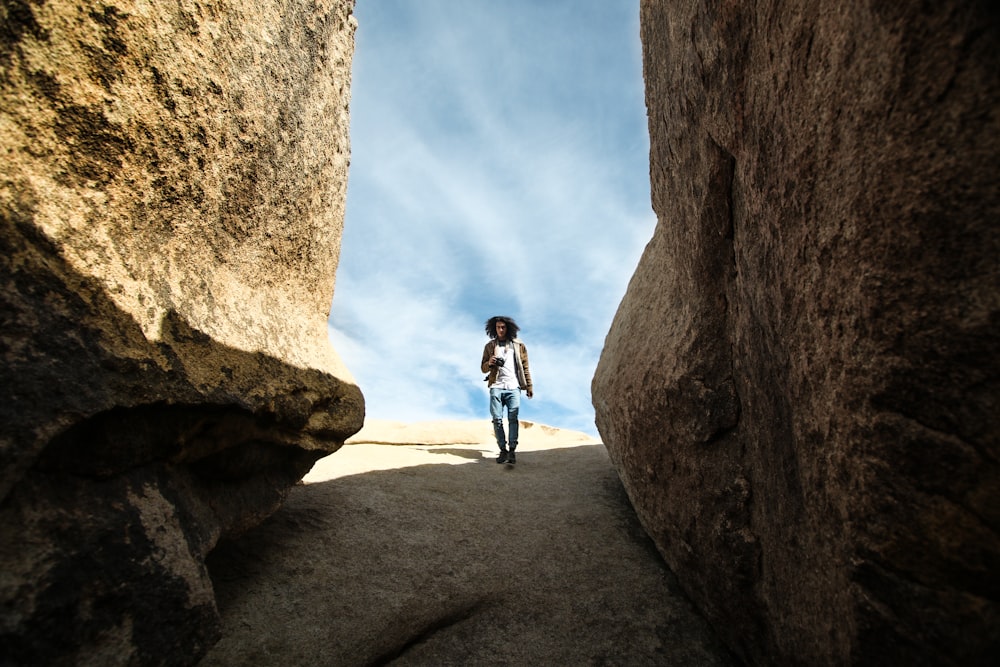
496 413
513 402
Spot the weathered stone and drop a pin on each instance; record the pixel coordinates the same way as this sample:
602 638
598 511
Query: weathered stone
800 387
432 554
171 202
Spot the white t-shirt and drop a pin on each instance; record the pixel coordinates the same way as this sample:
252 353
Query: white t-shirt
506 374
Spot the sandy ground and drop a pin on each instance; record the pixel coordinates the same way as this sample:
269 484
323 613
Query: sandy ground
427 552
375 447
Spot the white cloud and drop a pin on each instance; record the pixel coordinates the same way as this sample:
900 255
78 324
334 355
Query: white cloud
499 167
420 361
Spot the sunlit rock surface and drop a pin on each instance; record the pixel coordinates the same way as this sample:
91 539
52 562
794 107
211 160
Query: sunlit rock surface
799 389
421 550
171 201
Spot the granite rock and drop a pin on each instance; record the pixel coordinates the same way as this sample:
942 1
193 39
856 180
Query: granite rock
800 387
171 203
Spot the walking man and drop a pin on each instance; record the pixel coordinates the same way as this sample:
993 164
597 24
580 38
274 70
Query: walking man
505 360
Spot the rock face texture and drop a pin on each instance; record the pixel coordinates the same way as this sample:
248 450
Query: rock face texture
800 387
171 205
432 554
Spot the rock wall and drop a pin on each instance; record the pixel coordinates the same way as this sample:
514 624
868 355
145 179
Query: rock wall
171 202
800 387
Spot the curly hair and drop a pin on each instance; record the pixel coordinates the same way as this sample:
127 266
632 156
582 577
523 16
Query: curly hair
512 328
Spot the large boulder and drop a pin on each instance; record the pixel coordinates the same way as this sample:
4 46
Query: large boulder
171 207
800 387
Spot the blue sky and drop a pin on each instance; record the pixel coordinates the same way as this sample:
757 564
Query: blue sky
499 166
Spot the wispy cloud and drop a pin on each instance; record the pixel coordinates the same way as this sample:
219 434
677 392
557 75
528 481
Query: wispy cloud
499 166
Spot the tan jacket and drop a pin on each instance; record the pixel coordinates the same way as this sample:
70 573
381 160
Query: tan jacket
520 364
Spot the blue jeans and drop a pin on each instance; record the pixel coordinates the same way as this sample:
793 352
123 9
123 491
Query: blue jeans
511 398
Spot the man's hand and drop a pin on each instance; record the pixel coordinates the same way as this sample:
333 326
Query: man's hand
531 392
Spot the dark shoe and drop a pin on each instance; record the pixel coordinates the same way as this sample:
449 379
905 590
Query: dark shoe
511 458
502 458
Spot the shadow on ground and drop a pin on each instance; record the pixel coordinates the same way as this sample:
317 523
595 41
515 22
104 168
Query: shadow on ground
473 454
476 563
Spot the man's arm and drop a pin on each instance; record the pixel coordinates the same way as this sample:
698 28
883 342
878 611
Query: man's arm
527 371
485 366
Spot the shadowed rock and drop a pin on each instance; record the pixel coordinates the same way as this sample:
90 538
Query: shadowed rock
800 387
436 555
170 215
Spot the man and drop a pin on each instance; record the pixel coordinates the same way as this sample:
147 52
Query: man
505 360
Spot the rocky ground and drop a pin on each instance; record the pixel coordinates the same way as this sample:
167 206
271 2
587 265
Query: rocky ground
426 552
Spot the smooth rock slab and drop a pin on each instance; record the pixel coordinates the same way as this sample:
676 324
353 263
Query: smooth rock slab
456 561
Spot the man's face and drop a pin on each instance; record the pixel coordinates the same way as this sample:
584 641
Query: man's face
501 330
